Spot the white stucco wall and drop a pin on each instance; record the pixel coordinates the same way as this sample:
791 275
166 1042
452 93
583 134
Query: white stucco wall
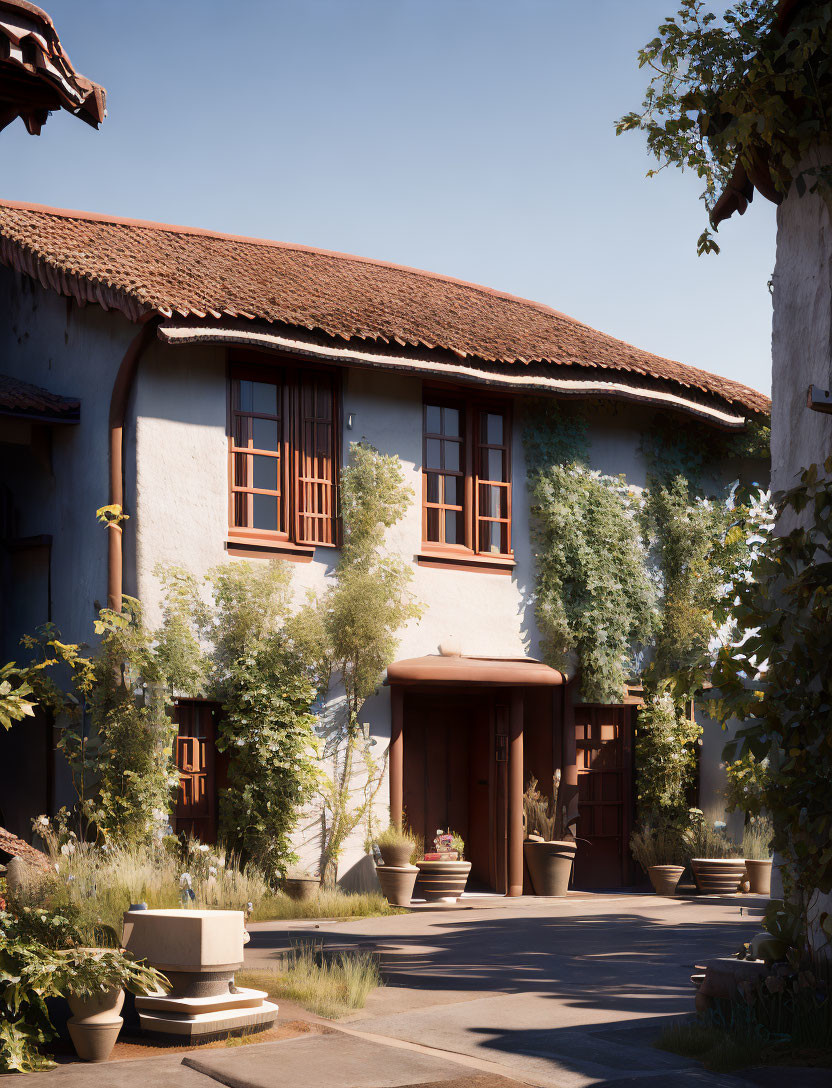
801 336
801 356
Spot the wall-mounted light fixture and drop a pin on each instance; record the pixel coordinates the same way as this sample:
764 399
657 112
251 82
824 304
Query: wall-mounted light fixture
350 420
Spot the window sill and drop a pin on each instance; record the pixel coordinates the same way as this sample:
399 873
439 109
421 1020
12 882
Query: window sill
466 561
282 549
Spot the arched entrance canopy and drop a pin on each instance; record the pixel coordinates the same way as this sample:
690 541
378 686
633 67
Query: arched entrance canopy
502 672
438 671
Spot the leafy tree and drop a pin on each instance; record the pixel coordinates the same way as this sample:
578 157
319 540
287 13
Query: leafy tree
738 85
351 631
267 685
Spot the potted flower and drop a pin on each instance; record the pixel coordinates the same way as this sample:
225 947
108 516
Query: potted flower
548 849
658 848
396 874
443 872
717 862
300 884
756 848
93 981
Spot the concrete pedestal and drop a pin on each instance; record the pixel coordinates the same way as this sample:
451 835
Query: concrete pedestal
199 951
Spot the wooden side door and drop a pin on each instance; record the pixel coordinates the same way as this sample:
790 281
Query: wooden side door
195 812
603 739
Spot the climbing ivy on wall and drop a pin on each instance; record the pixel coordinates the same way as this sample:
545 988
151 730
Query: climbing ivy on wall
634 581
594 597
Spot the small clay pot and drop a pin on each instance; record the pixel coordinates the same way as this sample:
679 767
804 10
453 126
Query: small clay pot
759 875
95 1023
397 856
397 883
301 888
665 878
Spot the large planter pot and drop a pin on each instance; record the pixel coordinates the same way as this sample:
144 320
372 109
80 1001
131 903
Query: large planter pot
397 883
550 865
95 1023
759 875
718 876
302 888
665 878
443 881
397 856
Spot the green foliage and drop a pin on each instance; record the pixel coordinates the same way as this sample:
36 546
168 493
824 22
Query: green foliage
593 594
665 755
756 838
775 677
14 691
115 731
732 87
351 631
267 726
659 841
747 780
32 969
704 839
696 556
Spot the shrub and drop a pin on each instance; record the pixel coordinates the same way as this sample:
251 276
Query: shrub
704 839
756 838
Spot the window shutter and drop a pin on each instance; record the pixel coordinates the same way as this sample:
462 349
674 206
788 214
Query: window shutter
315 460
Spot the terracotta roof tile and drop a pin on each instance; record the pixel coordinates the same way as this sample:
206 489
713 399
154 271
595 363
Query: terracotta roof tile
19 398
11 846
36 75
142 267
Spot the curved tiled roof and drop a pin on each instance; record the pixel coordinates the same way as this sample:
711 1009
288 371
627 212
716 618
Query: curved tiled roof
142 267
18 398
36 75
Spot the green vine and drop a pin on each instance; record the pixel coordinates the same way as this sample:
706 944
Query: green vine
738 86
593 595
351 630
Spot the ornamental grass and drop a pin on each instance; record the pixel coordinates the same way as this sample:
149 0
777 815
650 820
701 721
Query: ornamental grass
329 987
96 884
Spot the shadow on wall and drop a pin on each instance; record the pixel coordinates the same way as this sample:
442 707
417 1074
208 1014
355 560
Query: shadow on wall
360 877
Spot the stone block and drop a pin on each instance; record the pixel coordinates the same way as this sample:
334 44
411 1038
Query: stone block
186 940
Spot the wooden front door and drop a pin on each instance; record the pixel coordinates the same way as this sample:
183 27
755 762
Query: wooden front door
195 812
454 775
603 739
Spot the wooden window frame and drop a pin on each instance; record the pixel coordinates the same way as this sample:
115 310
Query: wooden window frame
289 377
467 556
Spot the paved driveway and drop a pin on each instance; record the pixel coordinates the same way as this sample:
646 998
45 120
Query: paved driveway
559 993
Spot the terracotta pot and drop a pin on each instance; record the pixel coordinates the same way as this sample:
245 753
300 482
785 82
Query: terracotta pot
718 876
665 878
443 881
550 865
302 888
397 856
759 875
95 1023
397 883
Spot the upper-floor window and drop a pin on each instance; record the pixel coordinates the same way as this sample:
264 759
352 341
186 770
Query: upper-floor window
466 471
282 449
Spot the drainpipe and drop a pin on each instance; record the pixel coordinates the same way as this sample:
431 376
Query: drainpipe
118 412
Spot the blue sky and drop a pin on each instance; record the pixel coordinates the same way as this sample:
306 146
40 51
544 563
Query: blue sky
469 137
